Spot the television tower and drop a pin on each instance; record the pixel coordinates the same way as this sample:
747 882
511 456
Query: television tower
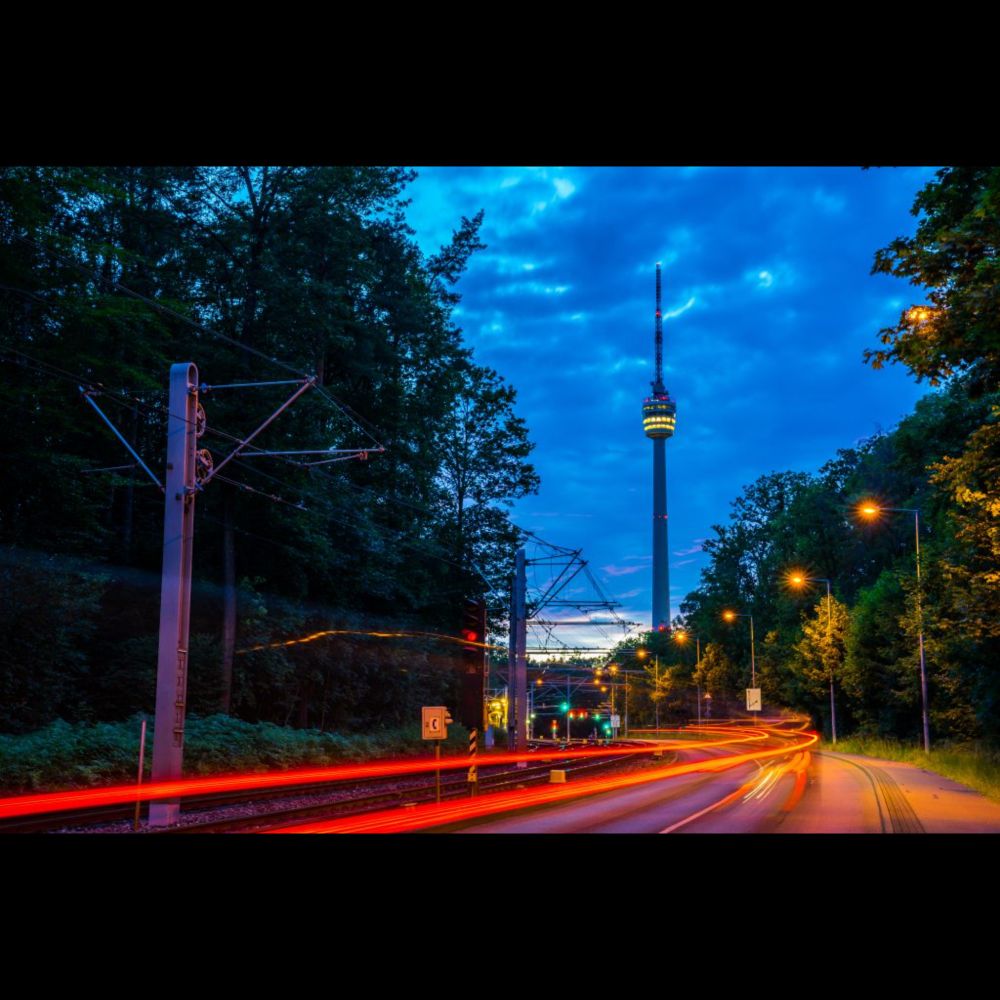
659 415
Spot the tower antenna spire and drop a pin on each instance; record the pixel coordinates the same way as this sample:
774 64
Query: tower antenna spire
658 384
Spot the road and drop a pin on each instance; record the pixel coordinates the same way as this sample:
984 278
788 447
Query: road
829 793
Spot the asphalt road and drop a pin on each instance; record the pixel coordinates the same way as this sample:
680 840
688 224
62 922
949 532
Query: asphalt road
826 793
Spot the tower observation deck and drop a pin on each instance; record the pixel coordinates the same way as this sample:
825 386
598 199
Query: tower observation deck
659 418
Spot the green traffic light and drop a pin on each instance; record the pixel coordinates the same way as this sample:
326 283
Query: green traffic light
564 706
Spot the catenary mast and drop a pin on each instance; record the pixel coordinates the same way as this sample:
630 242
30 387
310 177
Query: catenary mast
659 415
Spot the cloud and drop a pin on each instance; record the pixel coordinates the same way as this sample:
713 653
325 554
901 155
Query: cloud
621 570
680 562
832 204
564 188
674 313
625 595
696 546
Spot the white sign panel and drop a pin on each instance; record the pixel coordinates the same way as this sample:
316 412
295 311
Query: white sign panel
434 719
616 722
753 699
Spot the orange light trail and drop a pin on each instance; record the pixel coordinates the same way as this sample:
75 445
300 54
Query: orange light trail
375 635
431 815
92 798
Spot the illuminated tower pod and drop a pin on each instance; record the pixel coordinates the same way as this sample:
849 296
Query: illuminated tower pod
659 416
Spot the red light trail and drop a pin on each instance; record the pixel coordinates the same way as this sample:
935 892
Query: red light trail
90 798
421 817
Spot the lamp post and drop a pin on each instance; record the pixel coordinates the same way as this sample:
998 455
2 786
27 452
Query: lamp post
798 580
731 616
641 654
872 510
682 637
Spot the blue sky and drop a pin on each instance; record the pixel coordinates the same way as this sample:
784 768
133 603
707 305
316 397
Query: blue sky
768 305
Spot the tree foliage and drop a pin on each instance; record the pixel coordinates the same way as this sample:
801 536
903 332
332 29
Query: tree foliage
257 274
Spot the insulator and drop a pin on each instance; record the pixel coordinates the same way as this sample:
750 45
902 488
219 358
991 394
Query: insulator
203 464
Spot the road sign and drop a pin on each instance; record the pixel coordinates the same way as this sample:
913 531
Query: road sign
616 722
435 719
753 699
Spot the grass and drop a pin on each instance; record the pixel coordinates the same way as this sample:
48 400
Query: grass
82 755
972 766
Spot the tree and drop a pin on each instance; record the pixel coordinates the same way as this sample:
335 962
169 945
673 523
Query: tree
821 648
483 449
955 255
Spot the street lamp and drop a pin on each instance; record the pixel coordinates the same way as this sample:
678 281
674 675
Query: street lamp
731 616
641 654
680 636
799 580
871 510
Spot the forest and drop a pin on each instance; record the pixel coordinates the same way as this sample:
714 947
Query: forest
108 276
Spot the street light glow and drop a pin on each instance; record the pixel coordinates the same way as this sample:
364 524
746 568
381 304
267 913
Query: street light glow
729 616
680 637
869 509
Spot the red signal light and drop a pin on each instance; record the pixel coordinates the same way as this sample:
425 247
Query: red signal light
470 635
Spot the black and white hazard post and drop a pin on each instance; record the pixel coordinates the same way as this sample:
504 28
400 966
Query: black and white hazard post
473 753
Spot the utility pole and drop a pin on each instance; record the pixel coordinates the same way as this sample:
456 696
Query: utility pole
518 661
189 470
175 587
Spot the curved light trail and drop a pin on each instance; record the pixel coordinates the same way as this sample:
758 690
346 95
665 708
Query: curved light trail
91 798
431 815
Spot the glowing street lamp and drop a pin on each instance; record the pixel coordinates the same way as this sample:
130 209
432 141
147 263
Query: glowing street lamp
731 616
681 637
797 579
871 510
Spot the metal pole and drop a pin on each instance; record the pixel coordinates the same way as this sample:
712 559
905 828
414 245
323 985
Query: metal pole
697 667
626 704
437 770
753 664
920 620
569 708
829 636
138 780
657 705
175 589
519 666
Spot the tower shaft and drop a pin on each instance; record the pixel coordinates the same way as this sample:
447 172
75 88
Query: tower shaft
661 569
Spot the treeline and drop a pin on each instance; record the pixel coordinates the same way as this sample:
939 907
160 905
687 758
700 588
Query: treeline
943 460
256 274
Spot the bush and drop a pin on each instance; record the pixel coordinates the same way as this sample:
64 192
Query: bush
80 755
